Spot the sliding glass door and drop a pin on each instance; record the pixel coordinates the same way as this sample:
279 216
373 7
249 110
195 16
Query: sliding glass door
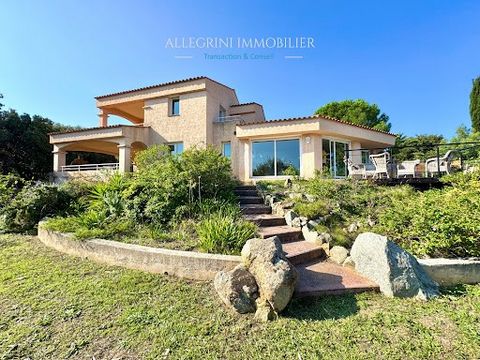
275 157
334 155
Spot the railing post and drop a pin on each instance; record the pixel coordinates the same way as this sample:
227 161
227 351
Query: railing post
438 161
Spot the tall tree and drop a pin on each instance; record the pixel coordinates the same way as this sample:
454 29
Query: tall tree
357 112
475 104
416 147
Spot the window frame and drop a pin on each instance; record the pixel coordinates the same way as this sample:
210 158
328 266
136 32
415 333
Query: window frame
223 149
340 140
300 147
175 145
171 106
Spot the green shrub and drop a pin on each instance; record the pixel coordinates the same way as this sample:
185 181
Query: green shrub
437 222
312 210
443 222
220 233
32 203
166 186
10 185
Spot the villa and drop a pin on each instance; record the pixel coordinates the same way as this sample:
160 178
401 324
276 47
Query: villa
201 111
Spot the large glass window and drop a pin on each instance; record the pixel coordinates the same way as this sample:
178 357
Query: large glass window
227 149
263 158
275 157
176 148
288 157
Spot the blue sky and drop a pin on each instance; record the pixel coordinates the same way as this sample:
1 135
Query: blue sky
415 59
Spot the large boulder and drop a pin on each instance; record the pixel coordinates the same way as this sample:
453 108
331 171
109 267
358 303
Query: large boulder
396 271
276 277
237 289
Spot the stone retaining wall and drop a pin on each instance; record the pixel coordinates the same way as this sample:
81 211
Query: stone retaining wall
452 271
185 264
201 266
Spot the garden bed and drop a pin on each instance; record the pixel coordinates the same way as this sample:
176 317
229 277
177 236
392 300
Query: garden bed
185 264
429 224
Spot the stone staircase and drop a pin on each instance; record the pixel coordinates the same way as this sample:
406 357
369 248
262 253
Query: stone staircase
317 275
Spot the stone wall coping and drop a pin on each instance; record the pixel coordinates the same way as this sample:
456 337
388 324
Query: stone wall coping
186 264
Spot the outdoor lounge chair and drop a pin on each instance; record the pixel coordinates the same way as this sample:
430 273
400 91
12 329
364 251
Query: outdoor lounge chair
408 168
381 163
363 171
432 167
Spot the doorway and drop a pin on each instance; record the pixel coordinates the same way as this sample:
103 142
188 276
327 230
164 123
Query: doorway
334 154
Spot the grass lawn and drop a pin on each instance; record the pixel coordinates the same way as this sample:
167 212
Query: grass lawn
53 306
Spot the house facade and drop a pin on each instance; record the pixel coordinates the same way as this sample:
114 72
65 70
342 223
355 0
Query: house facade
201 111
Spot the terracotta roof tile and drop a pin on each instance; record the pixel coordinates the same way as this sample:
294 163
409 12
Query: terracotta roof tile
162 84
319 117
244 104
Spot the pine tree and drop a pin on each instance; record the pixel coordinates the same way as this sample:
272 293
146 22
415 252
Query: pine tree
475 104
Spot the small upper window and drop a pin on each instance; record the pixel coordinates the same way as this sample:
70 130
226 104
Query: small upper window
222 113
175 107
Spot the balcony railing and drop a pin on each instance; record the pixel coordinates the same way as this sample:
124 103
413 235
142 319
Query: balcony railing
90 167
230 118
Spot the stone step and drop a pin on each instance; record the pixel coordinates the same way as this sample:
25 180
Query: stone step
255 209
301 251
246 192
284 232
265 220
319 278
246 187
250 200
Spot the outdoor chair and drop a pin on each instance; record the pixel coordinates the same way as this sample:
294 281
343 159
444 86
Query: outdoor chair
381 163
363 171
408 168
445 164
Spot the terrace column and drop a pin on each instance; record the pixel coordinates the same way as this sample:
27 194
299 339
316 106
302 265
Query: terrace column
103 118
59 158
124 158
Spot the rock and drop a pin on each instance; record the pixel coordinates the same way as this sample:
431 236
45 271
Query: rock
264 311
297 222
325 237
349 262
338 254
288 204
295 196
278 209
272 200
353 227
311 235
290 216
268 199
370 222
309 198
396 271
303 220
275 276
326 248
312 224
237 289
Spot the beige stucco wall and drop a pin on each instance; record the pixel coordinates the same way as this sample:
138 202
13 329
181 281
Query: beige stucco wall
197 125
311 132
189 127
